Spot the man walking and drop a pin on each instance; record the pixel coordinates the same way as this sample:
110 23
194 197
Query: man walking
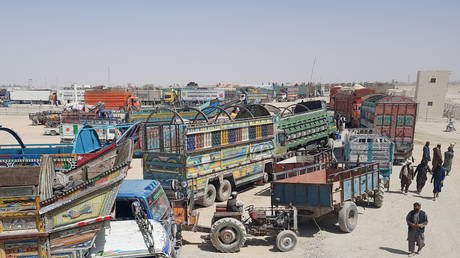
448 156
426 152
437 179
421 172
437 157
416 221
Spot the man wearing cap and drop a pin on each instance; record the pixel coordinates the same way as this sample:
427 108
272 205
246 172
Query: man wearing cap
416 220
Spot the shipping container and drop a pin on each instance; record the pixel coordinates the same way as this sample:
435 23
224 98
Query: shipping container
394 117
149 97
348 103
113 99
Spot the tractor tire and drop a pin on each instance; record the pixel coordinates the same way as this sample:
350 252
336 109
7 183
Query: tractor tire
378 198
286 240
348 217
225 189
228 235
209 196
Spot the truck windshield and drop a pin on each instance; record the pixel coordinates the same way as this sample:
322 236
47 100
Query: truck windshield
158 204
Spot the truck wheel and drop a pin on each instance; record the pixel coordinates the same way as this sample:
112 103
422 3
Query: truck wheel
228 235
225 189
286 240
378 198
53 133
348 217
209 195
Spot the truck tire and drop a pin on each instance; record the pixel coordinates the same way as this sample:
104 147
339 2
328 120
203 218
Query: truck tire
228 235
378 198
286 240
53 133
209 196
225 189
348 217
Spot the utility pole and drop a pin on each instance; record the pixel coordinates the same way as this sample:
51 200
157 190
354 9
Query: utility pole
312 69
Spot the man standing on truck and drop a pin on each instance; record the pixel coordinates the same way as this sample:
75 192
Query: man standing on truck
416 221
426 152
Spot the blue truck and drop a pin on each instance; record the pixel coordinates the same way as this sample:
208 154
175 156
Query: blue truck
156 235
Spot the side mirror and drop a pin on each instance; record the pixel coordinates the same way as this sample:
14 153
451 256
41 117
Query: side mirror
174 184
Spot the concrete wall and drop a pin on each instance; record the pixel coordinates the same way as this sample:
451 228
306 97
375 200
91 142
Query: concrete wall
430 94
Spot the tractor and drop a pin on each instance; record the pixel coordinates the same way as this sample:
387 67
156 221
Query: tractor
230 228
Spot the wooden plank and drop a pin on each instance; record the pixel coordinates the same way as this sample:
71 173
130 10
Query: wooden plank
19 176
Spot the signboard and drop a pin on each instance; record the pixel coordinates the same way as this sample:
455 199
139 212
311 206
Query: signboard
202 95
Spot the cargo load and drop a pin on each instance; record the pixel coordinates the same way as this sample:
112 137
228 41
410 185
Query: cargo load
348 101
394 117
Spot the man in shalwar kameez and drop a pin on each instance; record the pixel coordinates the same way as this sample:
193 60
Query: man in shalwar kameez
416 221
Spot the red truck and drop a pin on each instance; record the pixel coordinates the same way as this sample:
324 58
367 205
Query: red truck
348 103
394 117
113 99
332 94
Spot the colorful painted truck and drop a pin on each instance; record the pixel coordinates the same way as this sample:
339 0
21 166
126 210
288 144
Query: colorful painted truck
363 145
125 238
211 158
333 189
348 101
394 117
302 125
45 213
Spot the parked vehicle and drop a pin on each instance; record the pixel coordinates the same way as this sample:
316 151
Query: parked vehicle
394 117
45 213
113 99
106 132
51 130
126 238
30 96
363 145
149 97
229 228
332 95
348 103
49 118
331 190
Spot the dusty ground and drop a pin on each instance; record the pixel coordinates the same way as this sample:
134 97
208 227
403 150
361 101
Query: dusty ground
380 232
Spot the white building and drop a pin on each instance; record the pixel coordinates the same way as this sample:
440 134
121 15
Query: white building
430 94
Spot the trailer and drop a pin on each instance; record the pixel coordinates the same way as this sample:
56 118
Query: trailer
30 96
113 99
149 97
335 189
348 103
363 145
394 117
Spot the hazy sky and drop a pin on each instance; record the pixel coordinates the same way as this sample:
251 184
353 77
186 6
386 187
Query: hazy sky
166 42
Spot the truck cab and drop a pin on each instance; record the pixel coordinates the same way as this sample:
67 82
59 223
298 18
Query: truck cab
125 239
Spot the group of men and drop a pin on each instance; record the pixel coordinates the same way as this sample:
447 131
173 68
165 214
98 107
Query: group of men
417 219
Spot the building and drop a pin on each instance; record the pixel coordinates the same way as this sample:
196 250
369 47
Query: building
430 94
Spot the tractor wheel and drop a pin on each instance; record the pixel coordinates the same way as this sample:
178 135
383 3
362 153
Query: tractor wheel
228 235
378 198
225 189
286 240
348 217
209 196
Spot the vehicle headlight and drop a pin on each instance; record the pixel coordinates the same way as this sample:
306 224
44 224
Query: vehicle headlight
184 184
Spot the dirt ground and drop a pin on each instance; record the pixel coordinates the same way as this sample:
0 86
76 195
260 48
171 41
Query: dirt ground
380 232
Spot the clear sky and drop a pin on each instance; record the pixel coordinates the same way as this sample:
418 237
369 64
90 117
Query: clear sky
164 42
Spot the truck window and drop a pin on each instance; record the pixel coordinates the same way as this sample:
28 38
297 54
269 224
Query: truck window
123 209
158 204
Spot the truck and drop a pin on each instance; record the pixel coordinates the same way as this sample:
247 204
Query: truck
125 238
113 99
192 96
332 95
394 117
31 96
363 145
49 118
149 97
348 103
